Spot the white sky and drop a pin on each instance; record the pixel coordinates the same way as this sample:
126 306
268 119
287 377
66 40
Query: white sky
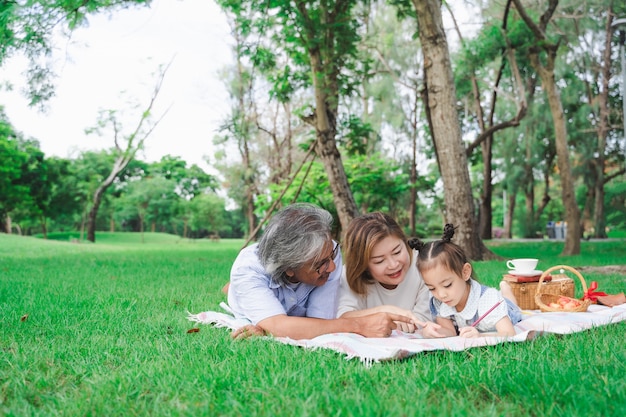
122 53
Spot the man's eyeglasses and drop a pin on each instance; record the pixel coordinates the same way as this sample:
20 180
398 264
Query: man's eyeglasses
321 270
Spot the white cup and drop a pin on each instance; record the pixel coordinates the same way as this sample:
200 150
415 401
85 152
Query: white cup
522 265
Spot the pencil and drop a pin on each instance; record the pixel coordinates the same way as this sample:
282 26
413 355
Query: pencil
479 319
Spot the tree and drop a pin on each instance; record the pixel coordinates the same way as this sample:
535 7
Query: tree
152 200
543 58
440 96
190 181
126 146
484 65
239 127
207 213
596 62
12 162
319 38
392 84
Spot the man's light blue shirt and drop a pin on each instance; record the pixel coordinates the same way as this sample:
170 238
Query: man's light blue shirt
253 295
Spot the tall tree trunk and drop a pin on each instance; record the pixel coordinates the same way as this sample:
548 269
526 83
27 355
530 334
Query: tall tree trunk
602 131
120 163
141 217
548 83
326 98
446 131
572 214
486 214
93 212
44 226
508 219
413 188
331 159
549 159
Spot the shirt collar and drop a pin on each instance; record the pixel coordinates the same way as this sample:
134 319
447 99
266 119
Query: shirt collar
471 306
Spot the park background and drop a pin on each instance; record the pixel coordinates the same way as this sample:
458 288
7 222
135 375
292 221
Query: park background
102 329
381 149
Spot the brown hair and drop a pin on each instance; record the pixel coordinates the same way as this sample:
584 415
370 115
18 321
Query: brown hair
365 232
440 252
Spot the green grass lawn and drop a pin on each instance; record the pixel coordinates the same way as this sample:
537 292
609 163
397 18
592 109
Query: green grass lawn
101 330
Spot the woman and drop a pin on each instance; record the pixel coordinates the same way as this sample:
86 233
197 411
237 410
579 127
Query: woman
380 273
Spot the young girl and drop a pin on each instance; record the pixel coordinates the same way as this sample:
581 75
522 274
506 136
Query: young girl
458 299
380 273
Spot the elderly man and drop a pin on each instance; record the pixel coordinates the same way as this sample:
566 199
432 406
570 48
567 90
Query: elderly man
287 283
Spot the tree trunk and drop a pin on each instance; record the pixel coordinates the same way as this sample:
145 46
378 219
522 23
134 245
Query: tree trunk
141 217
44 227
545 68
413 188
446 130
333 165
572 214
602 132
486 213
546 187
508 219
326 96
93 213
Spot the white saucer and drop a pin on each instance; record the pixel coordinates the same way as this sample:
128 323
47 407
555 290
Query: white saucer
525 274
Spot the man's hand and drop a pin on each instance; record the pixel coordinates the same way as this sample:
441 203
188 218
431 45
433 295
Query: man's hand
249 330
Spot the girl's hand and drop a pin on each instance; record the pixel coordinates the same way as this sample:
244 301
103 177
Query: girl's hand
406 327
468 332
432 330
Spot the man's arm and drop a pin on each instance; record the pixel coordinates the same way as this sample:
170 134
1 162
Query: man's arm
373 325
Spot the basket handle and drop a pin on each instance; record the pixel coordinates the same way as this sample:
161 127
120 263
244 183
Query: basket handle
569 268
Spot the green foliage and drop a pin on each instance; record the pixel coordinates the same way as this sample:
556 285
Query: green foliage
208 212
12 162
377 183
615 205
355 134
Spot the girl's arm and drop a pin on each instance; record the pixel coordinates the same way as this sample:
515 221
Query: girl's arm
504 328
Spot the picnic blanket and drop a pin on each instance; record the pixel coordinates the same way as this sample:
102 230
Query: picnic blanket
401 345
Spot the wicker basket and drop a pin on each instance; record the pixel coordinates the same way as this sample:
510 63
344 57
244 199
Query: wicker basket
524 292
543 300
